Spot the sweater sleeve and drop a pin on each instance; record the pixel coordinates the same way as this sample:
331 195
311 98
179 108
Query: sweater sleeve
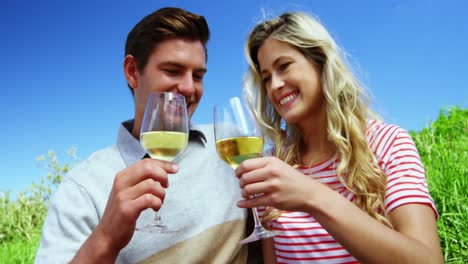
69 221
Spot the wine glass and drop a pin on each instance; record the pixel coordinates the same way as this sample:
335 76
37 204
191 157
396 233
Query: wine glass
238 138
163 134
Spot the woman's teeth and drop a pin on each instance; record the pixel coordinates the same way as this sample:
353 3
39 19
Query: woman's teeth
287 99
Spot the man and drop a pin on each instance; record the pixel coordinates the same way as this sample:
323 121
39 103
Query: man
97 206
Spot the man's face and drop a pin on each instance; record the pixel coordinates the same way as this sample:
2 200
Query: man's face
175 65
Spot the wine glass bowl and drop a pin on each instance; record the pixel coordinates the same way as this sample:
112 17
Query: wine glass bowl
237 149
164 145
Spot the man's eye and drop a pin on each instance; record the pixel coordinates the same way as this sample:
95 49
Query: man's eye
198 77
171 71
284 66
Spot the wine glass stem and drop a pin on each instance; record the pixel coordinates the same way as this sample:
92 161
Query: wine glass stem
157 221
256 218
259 230
157 217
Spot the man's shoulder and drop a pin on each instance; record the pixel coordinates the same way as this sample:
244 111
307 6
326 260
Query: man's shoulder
103 157
101 164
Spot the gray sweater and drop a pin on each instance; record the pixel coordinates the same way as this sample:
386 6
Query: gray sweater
200 204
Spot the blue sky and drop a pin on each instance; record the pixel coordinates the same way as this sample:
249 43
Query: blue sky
63 84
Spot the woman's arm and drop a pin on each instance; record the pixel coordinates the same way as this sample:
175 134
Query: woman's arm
414 238
268 250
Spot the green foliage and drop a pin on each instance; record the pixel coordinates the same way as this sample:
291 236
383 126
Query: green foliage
21 219
443 147
20 251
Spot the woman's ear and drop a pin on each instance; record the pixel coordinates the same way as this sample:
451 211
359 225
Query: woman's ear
131 71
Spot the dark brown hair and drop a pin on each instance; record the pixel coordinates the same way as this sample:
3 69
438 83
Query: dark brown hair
163 24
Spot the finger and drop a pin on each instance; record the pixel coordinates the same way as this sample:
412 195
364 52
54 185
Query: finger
261 200
253 176
147 186
146 201
168 166
250 164
149 168
254 189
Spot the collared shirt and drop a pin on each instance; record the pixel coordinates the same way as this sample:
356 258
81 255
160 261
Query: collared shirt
199 204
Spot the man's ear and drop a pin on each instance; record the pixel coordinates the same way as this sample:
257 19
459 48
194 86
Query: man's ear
131 71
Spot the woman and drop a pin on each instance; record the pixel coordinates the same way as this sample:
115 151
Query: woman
351 187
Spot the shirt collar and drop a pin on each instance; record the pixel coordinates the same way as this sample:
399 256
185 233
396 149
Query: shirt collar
130 148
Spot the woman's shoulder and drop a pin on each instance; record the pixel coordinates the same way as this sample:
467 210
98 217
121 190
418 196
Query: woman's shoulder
379 128
376 125
381 136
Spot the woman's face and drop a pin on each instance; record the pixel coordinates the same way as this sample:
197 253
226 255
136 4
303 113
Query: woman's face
292 82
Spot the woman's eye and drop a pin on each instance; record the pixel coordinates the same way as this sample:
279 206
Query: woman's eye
266 79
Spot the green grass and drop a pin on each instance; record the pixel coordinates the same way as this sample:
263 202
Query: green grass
19 250
442 145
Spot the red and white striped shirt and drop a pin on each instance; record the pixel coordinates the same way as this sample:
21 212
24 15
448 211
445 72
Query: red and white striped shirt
304 240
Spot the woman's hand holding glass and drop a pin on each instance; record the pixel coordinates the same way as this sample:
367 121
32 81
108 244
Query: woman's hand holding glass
282 186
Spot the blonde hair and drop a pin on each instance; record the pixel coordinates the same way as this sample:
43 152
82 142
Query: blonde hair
346 108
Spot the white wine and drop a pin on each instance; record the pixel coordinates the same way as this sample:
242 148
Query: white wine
164 145
237 149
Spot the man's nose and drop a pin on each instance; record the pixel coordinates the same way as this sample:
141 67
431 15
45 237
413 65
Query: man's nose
186 85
